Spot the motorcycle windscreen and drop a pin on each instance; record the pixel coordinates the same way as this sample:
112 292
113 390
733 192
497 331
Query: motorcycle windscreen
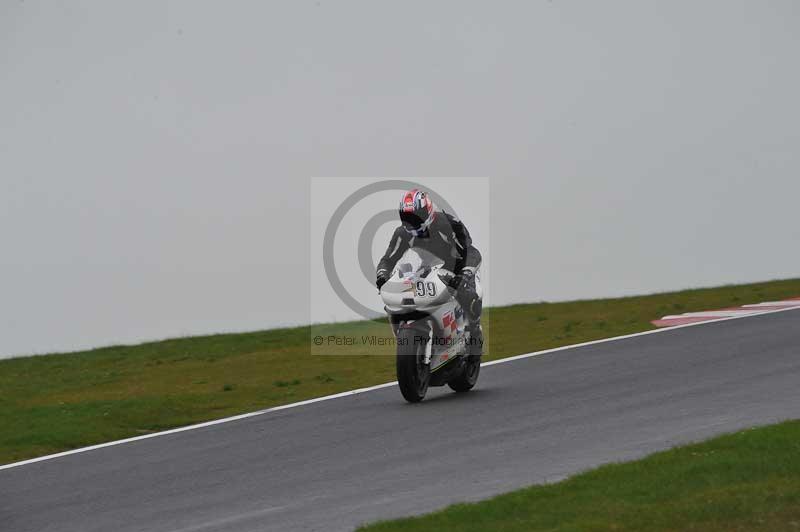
416 263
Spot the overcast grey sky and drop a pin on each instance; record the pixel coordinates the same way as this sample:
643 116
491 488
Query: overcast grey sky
155 157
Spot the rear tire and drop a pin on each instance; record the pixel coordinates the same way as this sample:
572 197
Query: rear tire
468 377
413 375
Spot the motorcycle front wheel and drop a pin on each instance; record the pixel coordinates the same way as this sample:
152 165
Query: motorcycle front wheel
413 374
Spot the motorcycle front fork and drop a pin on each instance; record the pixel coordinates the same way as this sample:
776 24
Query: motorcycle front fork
429 347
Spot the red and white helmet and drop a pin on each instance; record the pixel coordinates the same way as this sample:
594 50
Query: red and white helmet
416 212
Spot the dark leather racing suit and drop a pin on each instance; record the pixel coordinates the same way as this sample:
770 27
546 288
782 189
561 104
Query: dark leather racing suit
448 239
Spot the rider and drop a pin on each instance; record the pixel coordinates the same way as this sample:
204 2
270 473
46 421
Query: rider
445 237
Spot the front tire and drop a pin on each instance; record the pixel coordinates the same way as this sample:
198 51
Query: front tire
413 374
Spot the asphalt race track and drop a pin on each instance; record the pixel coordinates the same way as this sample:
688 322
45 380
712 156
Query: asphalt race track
335 464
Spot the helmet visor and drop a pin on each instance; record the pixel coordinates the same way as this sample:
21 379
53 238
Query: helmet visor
411 221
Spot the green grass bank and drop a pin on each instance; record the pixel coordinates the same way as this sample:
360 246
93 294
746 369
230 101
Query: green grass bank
746 481
52 403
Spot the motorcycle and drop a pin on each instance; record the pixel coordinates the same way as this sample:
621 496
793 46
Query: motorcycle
434 345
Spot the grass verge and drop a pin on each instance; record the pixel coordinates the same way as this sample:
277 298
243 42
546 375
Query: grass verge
52 403
749 480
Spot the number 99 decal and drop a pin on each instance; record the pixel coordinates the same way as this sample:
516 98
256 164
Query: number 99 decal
426 289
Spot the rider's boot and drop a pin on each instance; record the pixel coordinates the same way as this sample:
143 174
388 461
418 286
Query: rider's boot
475 338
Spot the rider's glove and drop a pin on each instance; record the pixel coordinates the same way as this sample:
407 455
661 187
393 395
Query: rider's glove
383 276
447 277
463 278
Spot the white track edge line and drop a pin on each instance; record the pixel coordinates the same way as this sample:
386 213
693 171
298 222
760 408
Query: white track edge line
370 389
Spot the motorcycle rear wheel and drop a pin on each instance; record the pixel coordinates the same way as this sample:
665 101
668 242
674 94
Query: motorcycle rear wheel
468 377
413 374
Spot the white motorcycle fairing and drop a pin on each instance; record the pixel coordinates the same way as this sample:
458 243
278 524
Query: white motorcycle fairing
423 311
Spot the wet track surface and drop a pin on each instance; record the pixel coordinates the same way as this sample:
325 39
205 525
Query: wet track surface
336 464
